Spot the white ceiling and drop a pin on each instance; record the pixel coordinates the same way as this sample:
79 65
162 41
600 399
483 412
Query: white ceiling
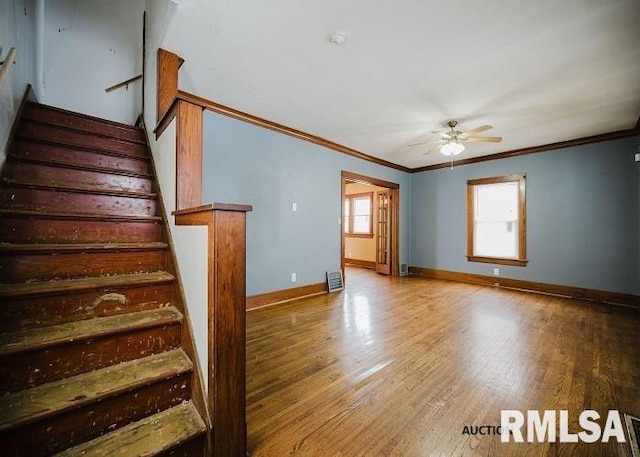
539 71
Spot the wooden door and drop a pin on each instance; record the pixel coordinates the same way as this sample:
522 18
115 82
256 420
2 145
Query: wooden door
383 237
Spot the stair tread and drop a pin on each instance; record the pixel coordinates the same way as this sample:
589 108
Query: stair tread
81 131
83 216
51 162
42 337
71 247
24 137
147 437
25 289
27 122
43 106
26 406
57 186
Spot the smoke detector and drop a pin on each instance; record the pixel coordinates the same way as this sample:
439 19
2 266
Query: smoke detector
338 37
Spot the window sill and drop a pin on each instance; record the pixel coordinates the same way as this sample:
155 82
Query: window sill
359 235
498 260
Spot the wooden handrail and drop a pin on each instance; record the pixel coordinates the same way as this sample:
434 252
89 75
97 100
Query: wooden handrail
123 83
6 65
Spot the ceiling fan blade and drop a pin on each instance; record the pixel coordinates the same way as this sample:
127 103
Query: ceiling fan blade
432 149
446 134
484 139
482 128
423 143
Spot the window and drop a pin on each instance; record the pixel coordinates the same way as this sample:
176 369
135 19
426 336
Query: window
496 220
357 215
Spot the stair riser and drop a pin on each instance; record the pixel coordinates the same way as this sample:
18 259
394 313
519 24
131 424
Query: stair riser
71 428
193 448
59 154
44 174
75 202
51 364
53 116
43 230
41 311
76 138
63 265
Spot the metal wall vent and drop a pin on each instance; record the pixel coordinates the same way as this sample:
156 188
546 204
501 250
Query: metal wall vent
404 269
334 280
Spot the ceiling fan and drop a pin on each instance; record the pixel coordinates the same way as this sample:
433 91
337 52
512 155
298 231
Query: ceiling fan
451 140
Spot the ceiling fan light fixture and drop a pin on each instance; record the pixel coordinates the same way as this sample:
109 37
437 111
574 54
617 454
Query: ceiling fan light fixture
452 148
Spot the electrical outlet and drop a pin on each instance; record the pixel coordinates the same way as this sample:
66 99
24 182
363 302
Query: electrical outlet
496 272
294 277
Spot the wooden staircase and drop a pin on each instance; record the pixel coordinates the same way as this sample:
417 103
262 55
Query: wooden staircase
92 350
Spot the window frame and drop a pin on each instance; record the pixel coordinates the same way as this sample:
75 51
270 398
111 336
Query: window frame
349 226
521 260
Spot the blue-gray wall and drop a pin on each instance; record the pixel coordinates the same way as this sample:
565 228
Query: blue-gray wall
252 165
583 209
583 216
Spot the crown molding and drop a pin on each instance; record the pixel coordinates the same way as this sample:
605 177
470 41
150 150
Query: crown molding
246 117
261 122
535 149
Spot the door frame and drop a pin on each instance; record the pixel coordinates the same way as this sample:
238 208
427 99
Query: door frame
394 193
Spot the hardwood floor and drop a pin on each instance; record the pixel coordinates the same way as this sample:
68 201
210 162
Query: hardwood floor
399 366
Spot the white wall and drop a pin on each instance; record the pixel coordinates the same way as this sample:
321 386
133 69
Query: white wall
17 29
190 242
89 46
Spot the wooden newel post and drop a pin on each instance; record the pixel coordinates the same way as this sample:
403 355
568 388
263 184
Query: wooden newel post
227 328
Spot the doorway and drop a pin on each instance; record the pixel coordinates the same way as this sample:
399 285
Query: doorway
383 221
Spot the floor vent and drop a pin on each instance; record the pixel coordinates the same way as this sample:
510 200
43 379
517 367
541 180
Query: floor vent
404 269
334 280
633 429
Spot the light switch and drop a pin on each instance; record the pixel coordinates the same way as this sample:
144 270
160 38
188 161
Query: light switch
294 207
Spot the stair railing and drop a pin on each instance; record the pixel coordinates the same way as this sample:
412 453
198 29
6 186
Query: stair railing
123 84
226 263
6 65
